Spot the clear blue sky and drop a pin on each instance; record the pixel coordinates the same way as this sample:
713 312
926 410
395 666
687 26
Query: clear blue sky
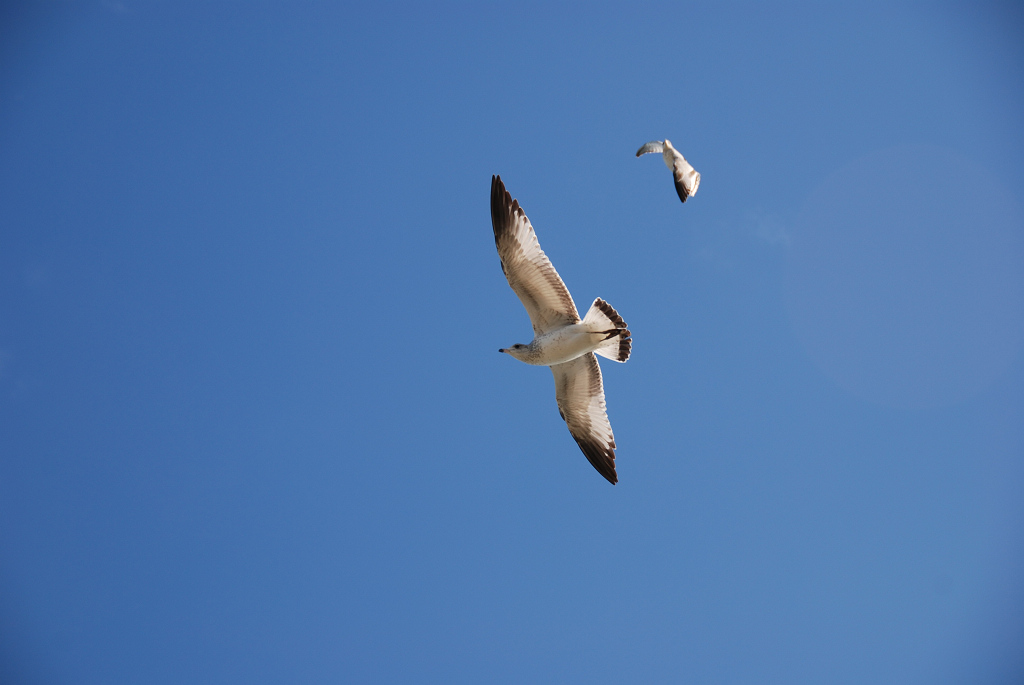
254 427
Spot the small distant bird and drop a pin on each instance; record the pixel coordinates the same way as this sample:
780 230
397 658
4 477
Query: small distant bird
686 177
560 339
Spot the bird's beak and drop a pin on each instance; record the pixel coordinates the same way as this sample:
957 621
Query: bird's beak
501 350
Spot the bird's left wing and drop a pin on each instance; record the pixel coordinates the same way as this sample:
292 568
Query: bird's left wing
580 395
527 268
653 146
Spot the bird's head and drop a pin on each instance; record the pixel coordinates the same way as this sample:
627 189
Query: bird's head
518 350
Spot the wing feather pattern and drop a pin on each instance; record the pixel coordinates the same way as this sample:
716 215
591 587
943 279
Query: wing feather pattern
685 176
653 146
527 268
580 395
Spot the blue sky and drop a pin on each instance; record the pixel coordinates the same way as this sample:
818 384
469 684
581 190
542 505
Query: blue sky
254 427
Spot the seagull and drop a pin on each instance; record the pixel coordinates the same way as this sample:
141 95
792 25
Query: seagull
686 177
560 339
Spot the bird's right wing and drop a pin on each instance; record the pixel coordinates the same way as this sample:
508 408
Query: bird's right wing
685 176
653 146
527 268
580 395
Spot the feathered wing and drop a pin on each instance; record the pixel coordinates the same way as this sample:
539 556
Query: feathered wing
686 177
653 146
527 268
580 395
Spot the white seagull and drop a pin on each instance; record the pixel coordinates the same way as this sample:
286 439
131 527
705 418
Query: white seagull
686 177
560 339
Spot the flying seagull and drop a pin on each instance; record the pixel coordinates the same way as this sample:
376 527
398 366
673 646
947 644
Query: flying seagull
686 177
560 339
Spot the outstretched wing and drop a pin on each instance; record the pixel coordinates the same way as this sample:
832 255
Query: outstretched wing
686 177
653 146
580 395
526 267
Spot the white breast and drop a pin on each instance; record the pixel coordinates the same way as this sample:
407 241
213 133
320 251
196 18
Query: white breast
564 344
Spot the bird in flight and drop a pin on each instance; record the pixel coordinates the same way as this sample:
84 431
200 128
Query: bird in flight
686 177
560 339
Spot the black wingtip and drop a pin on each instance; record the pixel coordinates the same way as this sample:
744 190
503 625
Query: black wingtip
602 459
500 202
681 191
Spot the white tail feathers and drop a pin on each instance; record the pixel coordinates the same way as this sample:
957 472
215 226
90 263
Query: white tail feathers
603 320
